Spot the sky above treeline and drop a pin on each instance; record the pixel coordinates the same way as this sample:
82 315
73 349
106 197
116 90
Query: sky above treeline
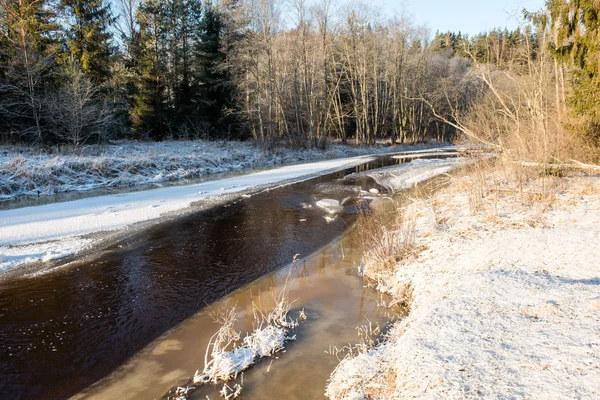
467 16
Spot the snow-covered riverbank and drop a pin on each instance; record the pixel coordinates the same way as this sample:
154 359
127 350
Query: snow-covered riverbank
29 173
505 297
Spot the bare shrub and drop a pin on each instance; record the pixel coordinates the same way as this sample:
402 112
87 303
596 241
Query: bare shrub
523 112
76 112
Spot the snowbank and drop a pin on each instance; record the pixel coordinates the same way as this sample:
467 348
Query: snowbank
505 302
27 173
51 231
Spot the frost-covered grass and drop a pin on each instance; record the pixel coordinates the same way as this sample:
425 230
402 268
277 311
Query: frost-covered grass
29 173
504 294
228 355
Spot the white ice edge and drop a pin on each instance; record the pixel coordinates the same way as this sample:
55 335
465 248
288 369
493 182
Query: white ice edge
52 231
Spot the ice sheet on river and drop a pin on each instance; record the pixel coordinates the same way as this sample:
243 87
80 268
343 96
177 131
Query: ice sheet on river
52 231
332 206
403 176
336 188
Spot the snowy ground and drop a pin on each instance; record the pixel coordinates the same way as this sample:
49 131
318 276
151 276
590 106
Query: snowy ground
505 299
52 231
28 173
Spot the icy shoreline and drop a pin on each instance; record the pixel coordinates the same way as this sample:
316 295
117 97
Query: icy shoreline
57 230
504 301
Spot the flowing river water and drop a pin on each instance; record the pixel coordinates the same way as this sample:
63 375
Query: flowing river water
136 320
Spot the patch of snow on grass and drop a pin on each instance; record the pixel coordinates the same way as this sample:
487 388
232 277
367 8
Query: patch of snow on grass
227 364
360 376
266 341
230 357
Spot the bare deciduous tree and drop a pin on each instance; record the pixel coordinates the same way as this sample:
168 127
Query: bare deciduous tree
28 59
76 116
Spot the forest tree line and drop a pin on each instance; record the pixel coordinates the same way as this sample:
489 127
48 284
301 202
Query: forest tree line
80 71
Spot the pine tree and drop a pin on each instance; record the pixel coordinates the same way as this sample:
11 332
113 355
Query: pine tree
89 36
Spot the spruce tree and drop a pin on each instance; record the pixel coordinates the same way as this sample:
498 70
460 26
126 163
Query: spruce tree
185 34
148 111
89 36
215 97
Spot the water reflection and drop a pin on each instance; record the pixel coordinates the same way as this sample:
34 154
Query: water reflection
63 331
325 285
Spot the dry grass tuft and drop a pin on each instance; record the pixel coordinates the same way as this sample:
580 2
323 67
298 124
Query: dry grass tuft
228 355
225 338
388 238
490 185
364 372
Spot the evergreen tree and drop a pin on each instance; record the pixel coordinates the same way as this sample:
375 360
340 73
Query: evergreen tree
576 29
215 97
147 113
187 25
165 90
89 36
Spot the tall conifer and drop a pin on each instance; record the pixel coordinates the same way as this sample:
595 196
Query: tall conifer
215 88
89 36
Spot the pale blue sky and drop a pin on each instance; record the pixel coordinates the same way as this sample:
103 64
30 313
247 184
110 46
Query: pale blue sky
470 16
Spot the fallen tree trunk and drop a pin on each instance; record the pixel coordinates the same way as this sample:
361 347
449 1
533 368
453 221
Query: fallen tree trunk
577 165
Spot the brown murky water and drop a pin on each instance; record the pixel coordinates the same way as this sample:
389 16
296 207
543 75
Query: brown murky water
326 285
62 331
